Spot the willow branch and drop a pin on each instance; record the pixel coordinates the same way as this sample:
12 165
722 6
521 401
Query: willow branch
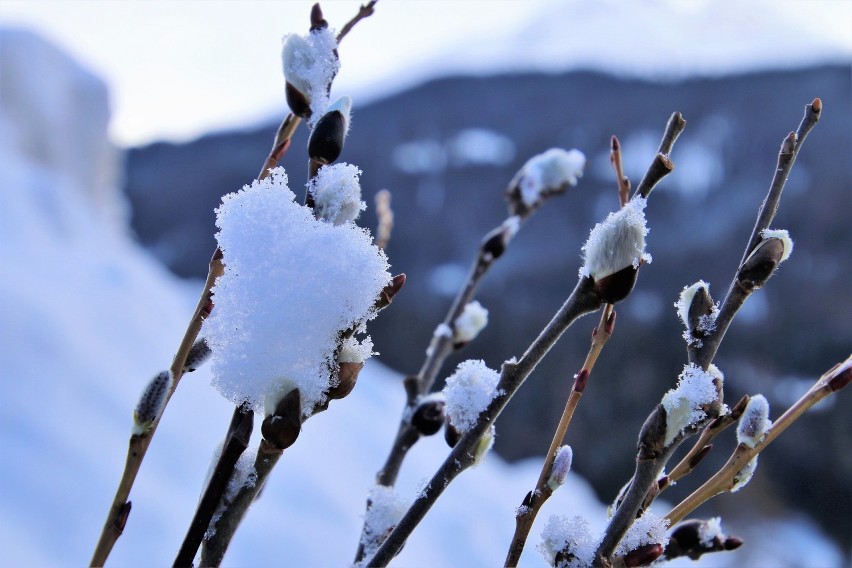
582 300
138 445
534 500
662 165
830 382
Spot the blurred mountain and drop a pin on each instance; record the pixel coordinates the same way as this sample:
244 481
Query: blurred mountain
446 150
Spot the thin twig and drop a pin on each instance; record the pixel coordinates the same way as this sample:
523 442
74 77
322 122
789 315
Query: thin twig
537 497
384 213
621 179
138 446
662 165
582 300
830 382
365 11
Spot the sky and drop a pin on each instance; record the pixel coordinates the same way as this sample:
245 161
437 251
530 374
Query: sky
178 69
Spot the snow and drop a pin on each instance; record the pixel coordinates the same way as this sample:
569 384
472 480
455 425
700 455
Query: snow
710 530
647 529
785 239
617 242
548 173
470 322
573 534
310 64
88 317
291 284
754 421
386 507
469 391
337 193
683 404
706 323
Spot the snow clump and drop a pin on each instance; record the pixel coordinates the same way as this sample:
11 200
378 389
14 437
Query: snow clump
754 422
291 283
310 65
683 404
647 529
784 236
617 242
548 173
472 320
571 535
469 391
385 509
337 193
706 323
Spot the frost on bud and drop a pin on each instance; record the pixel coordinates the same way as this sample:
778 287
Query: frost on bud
282 426
543 176
561 466
697 311
754 421
567 542
345 379
385 508
151 403
310 64
646 531
428 416
468 392
483 446
615 249
336 193
697 392
763 260
742 478
467 326
328 135
784 237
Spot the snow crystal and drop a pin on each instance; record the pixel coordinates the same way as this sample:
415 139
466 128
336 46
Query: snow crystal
706 323
785 239
291 284
469 391
471 321
571 535
710 530
310 65
549 172
561 466
617 242
354 351
683 404
754 422
337 193
385 509
742 478
647 529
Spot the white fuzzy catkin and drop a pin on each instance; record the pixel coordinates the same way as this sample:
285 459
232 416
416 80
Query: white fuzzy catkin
561 467
337 193
683 404
617 242
472 320
151 402
291 284
784 236
385 509
754 421
742 478
550 172
710 530
468 392
310 65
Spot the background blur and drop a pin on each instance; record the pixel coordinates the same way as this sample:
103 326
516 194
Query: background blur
450 99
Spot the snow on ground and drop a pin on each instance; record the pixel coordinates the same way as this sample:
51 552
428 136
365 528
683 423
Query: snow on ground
88 317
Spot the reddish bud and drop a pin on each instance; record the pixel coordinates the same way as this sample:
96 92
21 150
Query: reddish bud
643 555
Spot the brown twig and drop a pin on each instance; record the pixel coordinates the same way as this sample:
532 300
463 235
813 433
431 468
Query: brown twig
621 179
138 446
385 215
662 165
365 11
537 497
830 382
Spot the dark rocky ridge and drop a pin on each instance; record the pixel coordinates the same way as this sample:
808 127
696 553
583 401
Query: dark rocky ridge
700 219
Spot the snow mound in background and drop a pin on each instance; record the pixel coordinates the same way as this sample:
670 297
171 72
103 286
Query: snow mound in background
88 318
